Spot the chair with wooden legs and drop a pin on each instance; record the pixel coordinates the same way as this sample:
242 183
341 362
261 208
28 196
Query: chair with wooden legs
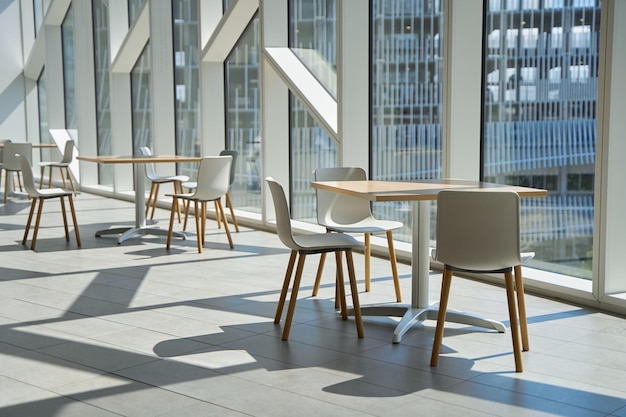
63 165
11 164
156 181
38 196
345 214
191 185
213 175
479 232
304 245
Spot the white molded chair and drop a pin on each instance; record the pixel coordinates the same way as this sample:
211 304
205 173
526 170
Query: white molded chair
345 214
157 180
11 164
479 232
304 245
41 195
191 185
63 166
213 177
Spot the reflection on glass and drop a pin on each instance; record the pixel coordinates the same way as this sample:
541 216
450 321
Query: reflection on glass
38 14
42 95
186 80
243 118
134 7
67 34
313 38
103 96
406 86
141 101
540 86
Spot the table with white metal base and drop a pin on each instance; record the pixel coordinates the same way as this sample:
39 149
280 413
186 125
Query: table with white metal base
420 193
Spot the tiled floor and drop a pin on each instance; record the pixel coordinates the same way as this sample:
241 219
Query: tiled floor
133 330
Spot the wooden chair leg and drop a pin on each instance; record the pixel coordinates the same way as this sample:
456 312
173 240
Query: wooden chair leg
340 293
50 176
521 306
286 282
69 177
294 296
171 227
368 251
67 231
217 215
62 178
76 232
221 210
232 212
19 181
394 266
155 199
6 185
441 316
203 220
32 245
356 306
517 351
30 218
178 189
41 172
318 276
149 202
198 228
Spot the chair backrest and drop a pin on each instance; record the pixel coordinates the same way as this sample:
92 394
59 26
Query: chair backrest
478 230
333 208
213 177
3 142
283 217
27 175
232 153
9 161
150 171
68 153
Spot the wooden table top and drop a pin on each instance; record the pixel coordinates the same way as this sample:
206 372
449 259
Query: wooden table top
416 190
117 159
35 145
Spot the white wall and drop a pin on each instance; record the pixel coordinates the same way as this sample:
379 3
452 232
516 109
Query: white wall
12 114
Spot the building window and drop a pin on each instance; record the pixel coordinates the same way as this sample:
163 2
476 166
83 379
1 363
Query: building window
406 90
540 122
103 93
243 118
67 34
42 95
141 101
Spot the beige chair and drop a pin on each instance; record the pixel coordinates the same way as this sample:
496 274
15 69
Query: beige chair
63 166
213 175
479 232
304 245
345 214
11 164
191 185
157 180
41 195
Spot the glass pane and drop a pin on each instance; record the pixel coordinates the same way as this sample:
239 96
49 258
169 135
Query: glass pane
186 79
406 85
134 7
38 14
243 118
539 111
67 34
141 101
42 95
311 148
313 38
103 94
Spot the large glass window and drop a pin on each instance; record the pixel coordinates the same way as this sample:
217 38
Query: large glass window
38 14
134 7
103 92
141 101
67 33
540 87
243 118
313 38
42 95
406 93
186 79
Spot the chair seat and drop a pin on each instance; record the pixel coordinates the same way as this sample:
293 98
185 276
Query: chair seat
53 193
54 164
190 197
170 178
190 185
368 225
326 242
